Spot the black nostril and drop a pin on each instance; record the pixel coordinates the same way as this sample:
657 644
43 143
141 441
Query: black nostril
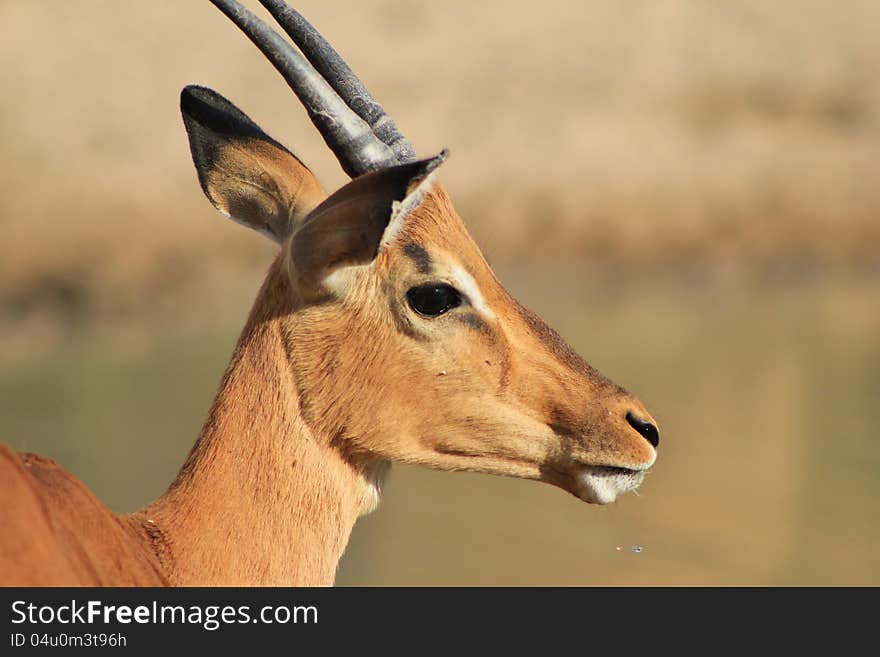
648 430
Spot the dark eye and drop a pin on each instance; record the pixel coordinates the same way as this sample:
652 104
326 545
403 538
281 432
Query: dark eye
433 299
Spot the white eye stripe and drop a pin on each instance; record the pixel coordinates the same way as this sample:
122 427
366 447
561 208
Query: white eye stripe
468 286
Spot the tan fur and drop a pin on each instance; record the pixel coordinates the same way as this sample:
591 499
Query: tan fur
254 178
56 533
315 398
334 376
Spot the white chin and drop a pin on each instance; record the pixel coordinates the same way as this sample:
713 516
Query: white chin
601 485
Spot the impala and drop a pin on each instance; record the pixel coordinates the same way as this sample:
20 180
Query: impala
379 335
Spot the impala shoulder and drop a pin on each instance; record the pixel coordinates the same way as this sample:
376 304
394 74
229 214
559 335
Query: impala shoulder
24 467
45 472
33 478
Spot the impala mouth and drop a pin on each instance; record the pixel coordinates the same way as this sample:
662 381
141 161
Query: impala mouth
601 484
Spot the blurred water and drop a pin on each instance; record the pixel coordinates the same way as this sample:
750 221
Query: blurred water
766 394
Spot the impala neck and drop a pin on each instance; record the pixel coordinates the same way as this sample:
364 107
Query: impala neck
260 500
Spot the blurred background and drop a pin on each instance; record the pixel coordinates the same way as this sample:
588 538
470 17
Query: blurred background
689 191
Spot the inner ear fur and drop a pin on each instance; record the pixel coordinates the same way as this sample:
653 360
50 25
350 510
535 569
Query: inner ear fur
354 223
247 175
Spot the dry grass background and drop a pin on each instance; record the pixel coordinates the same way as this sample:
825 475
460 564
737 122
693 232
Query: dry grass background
635 131
688 190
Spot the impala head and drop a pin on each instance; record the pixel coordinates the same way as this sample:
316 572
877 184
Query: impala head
403 344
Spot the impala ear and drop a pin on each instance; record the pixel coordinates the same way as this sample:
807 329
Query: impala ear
247 175
351 226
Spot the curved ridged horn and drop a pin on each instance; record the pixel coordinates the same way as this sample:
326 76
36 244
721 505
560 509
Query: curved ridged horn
340 76
349 137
